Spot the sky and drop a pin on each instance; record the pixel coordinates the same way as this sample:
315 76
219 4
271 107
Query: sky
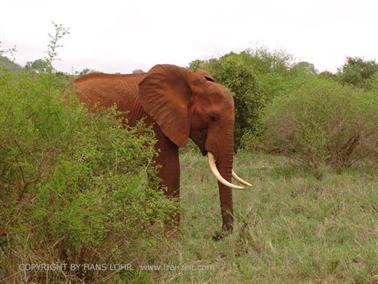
121 36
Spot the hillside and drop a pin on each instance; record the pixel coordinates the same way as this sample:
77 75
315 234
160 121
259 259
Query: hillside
8 64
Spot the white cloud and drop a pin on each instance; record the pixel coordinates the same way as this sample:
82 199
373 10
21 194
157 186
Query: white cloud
119 36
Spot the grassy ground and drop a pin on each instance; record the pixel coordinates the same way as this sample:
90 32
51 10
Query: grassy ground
290 227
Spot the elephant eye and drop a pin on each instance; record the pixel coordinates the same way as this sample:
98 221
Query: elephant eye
212 117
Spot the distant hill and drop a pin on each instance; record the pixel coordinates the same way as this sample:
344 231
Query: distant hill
8 64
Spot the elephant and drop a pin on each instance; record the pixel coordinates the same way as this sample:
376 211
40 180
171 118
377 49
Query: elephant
178 103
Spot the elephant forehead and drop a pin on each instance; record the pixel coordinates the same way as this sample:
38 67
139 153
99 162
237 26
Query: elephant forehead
221 98
213 104
217 89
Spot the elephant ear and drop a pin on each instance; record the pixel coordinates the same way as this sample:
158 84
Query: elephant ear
165 94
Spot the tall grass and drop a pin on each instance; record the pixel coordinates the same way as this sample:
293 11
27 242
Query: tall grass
291 227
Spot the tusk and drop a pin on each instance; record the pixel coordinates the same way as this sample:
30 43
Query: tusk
215 171
242 181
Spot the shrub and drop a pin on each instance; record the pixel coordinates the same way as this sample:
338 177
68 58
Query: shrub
358 72
255 77
73 184
231 71
323 122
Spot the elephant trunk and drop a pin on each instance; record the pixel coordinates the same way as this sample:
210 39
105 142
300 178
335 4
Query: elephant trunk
221 155
224 163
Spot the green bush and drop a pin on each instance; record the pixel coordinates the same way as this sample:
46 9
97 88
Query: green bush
73 186
359 72
255 77
231 71
323 122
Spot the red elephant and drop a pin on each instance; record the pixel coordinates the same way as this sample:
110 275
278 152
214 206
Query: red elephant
179 104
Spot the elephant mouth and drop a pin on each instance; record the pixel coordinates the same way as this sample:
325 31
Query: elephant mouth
202 148
199 138
202 145
221 179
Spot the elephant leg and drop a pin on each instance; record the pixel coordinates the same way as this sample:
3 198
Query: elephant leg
169 171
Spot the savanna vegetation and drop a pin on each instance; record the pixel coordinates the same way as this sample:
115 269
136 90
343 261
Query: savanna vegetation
74 190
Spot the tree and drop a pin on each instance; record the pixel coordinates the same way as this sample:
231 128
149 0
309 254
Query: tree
138 71
358 72
38 66
328 75
86 71
304 68
233 71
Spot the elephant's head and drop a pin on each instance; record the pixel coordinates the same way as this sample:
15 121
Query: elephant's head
190 104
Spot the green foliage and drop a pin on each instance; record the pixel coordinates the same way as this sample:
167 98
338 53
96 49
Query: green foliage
254 78
323 122
373 83
328 75
241 80
38 66
73 183
304 68
358 72
75 187
52 48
